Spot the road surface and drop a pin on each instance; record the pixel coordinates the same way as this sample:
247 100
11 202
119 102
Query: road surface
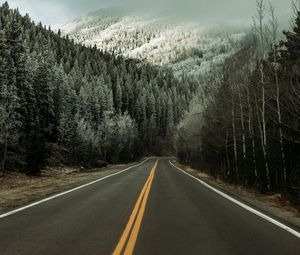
152 209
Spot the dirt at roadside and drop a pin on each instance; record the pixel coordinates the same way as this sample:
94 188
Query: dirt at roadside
17 189
273 204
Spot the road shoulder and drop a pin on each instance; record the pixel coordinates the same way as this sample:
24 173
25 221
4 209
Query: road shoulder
270 205
17 190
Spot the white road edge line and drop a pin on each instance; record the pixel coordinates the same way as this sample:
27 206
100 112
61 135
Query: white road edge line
248 208
69 191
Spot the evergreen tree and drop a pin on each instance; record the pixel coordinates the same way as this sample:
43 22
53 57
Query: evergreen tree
93 104
290 52
9 104
36 149
43 86
118 96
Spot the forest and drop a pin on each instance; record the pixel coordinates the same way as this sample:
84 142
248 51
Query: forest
59 99
244 124
239 121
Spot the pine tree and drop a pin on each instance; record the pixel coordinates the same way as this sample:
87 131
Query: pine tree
29 102
290 54
43 86
67 121
289 76
9 103
127 95
59 90
53 85
118 96
36 151
3 89
4 53
17 49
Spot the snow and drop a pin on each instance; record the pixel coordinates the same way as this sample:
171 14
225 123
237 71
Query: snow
157 40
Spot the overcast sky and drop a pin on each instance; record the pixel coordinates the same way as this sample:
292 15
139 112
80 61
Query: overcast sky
59 12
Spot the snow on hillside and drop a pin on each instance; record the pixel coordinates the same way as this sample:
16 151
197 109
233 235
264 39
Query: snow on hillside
160 41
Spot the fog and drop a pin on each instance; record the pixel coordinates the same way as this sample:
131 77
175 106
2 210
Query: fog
59 12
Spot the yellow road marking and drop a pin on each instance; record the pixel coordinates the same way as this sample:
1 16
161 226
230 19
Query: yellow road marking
137 213
137 225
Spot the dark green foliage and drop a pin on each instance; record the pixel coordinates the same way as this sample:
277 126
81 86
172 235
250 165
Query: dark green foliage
226 135
36 152
94 105
43 85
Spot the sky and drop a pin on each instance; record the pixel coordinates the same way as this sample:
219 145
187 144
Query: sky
56 12
59 12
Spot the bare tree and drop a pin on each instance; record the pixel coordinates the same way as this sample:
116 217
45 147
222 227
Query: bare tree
233 117
273 32
259 28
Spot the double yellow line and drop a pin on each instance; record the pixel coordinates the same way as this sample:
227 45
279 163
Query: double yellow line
135 220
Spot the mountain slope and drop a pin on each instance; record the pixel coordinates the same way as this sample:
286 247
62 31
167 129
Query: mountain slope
58 98
157 39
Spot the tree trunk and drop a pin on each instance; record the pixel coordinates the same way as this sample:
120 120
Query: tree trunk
262 138
251 133
201 154
234 139
243 134
279 116
61 142
4 159
227 155
264 125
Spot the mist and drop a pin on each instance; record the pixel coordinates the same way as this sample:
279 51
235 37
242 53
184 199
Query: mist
58 12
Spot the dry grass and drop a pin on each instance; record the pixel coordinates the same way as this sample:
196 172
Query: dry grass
17 189
275 200
195 172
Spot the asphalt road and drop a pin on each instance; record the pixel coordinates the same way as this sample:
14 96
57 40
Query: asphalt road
150 209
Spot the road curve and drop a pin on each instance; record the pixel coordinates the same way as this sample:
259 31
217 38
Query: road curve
151 209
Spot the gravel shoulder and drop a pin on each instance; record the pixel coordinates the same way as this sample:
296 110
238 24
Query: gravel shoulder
17 190
273 205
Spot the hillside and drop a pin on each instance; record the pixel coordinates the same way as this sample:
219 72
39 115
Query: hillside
156 38
58 97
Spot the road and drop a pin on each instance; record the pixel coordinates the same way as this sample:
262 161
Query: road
151 209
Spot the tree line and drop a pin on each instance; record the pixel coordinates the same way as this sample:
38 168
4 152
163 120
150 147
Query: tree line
244 126
60 97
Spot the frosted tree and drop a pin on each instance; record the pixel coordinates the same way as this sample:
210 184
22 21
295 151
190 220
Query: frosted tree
117 96
51 85
259 28
124 137
43 86
67 125
105 134
9 102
